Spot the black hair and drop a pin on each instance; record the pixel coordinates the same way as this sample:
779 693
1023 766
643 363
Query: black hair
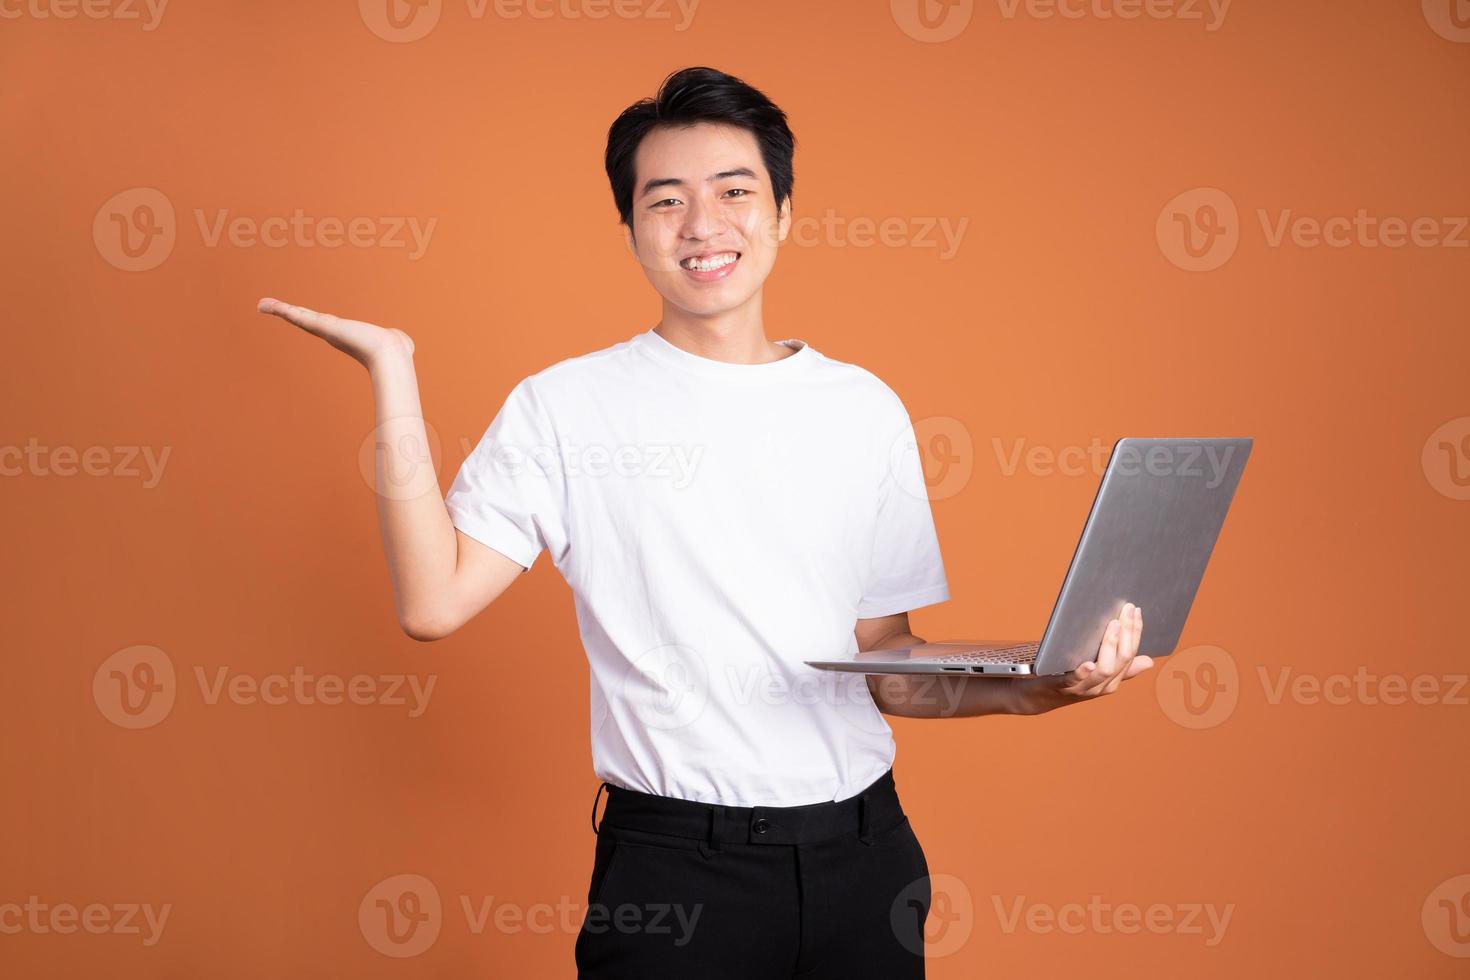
695 95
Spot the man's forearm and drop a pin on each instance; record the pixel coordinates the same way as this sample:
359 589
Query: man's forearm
945 696
418 536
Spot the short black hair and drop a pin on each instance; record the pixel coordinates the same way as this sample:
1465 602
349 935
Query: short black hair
696 95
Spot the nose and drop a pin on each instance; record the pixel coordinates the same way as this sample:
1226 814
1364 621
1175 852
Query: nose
703 220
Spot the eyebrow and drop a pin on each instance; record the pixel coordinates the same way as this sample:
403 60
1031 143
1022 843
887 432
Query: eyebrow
658 182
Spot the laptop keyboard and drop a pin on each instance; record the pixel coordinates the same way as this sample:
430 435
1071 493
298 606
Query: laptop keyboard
1021 653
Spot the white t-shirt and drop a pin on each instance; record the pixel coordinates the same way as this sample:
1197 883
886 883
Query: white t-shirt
718 524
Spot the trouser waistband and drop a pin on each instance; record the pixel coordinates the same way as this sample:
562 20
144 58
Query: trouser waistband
871 811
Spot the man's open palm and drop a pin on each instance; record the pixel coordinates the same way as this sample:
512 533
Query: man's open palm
363 342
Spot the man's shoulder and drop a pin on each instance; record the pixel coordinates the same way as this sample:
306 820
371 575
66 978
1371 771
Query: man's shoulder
863 384
576 371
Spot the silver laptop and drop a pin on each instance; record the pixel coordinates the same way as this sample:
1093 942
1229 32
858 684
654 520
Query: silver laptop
1153 524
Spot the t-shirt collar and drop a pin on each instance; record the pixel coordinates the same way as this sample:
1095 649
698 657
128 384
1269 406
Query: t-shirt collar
665 352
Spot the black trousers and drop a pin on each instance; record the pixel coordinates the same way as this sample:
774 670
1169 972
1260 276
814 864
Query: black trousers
694 891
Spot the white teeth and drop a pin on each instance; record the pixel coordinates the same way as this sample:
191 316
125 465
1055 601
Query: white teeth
710 264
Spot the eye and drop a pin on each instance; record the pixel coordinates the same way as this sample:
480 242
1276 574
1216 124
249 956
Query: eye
739 191
667 200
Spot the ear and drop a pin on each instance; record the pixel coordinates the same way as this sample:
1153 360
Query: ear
783 220
630 241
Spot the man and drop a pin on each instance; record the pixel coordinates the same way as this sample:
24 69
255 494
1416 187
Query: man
723 507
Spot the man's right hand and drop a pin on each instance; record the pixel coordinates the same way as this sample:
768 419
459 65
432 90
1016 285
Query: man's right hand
441 576
365 343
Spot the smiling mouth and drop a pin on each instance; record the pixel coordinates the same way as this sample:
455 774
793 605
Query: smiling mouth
709 263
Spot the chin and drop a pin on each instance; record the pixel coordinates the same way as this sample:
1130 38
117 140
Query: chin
709 303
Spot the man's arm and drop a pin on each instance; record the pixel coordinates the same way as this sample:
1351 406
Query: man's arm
951 696
441 577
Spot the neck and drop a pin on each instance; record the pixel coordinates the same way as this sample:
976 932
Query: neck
737 336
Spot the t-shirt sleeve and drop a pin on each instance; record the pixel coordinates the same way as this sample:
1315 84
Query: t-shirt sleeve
510 492
907 570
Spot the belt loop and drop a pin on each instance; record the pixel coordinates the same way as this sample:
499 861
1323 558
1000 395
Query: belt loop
716 824
864 825
595 799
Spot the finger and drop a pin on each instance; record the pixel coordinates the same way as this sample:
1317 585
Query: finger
1140 663
1127 648
1093 676
1107 651
1079 681
309 320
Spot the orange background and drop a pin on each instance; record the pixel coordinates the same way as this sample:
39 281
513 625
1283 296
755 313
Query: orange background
1059 321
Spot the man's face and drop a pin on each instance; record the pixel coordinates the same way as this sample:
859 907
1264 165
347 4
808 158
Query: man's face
705 223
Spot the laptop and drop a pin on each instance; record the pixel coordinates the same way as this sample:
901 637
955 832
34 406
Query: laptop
1153 524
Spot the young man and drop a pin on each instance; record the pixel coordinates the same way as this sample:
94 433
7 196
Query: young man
723 508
